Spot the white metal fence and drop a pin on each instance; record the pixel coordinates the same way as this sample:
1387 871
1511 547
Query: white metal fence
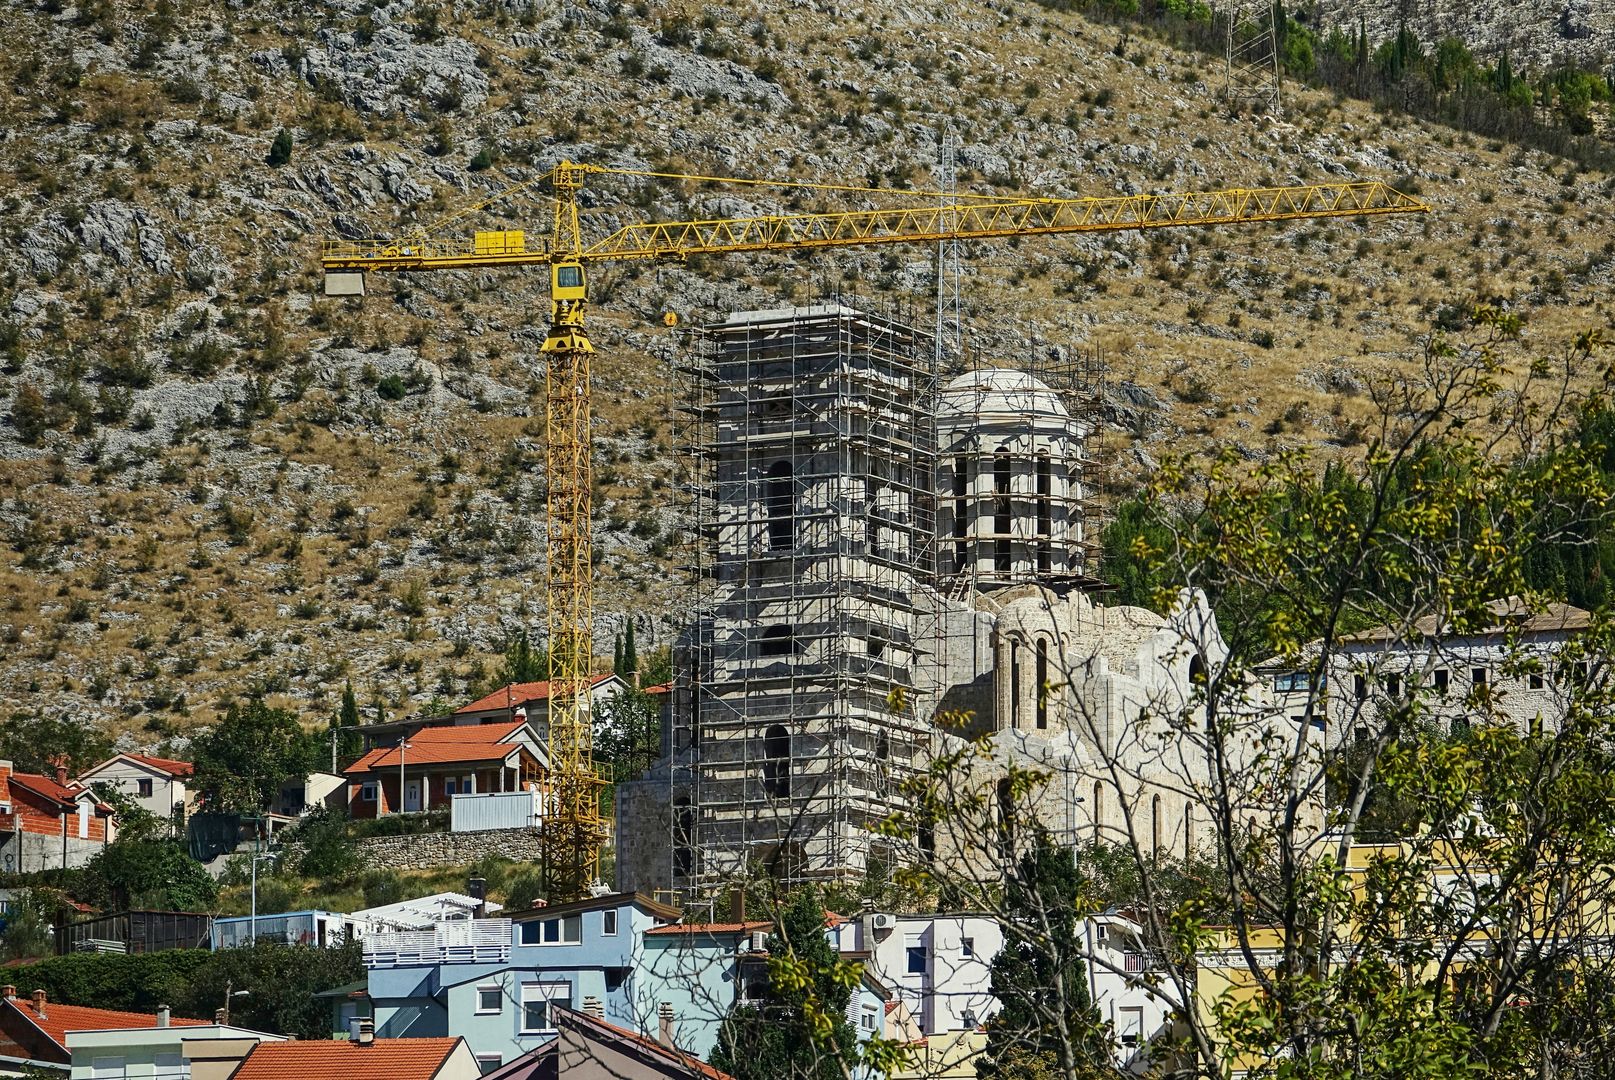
494 810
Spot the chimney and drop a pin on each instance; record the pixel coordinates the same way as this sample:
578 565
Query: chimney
737 905
7 992
477 889
219 1016
664 1024
594 1007
162 1016
39 1002
60 761
367 1032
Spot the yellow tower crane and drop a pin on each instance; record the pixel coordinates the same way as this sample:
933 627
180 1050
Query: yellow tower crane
573 828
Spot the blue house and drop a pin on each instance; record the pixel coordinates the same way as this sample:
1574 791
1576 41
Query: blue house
496 981
622 958
695 972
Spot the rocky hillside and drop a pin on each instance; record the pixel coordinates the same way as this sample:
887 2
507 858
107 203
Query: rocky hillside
1534 33
213 481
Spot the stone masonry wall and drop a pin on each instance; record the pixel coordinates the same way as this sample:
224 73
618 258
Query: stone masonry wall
426 851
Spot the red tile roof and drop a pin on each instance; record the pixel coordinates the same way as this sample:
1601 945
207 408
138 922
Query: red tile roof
447 745
383 1059
659 688
61 1019
169 766
517 694
46 787
711 928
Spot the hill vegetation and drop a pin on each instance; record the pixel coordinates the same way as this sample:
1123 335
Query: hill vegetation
216 484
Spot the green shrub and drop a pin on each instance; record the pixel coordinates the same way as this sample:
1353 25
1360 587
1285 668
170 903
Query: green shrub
391 388
280 151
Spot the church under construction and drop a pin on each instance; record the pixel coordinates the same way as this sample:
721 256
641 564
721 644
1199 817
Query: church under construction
878 548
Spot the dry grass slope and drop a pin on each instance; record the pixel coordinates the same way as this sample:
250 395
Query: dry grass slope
218 483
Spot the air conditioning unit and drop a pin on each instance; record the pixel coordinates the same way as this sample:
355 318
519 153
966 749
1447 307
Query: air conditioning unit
759 941
882 920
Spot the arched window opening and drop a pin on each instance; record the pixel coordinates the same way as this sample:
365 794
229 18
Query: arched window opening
777 762
1015 684
683 837
1188 831
883 747
1155 827
1098 808
1197 670
776 641
1045 512
1001 511
1042 683
779 503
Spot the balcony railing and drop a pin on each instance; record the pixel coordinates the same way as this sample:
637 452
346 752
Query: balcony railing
476 941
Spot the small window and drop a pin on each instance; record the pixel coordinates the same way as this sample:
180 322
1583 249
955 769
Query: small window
1536 680
1442 680
1360 687
1393 686
608 923
532 933
1477 676
916 959
367 791
539 1001
145 788
569 277
487 1063
1361 735
967 947
563 931
490 999
867 1018
450 786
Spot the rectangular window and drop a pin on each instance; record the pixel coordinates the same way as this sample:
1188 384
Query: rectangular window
532 933
539 1001
1477 676
487 1063
450 786
867 1018
916 959
490 999
1393 686
608 923
563 931
1293 682
367 791
1536 680
1441 680
145 787
1361 685
967 947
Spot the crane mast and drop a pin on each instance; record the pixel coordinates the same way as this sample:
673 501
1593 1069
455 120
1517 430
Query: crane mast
573 828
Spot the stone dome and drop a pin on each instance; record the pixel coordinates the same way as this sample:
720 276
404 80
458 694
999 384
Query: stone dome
992 396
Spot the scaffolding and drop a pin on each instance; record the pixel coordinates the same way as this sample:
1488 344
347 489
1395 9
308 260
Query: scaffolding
794 723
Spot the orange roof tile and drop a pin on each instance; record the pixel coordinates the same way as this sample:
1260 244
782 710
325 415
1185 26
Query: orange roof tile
517 694
659 688
466 753
383 1059
468 733
61 1019
170 766
47 787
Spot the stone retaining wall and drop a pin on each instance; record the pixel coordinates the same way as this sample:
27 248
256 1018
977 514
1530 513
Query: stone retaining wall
428 850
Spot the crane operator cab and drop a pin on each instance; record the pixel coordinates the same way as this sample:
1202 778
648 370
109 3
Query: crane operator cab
566 293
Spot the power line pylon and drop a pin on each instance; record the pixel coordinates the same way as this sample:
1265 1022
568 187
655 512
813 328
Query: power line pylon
1252 59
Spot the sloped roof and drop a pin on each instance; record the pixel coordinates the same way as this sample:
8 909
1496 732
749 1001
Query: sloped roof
383 1059
588 1025
467 743
1508 614
712 928
517 694
46 787
58 1020
170 767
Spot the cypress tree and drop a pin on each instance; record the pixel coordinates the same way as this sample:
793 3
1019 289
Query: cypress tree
630 655
616 656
